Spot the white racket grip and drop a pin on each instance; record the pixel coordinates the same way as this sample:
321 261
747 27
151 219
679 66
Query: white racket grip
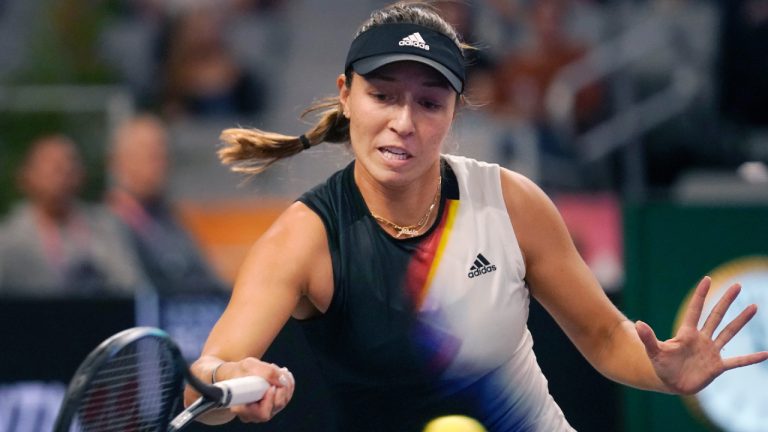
243 390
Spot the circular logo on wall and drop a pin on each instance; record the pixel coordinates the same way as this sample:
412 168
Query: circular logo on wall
737 401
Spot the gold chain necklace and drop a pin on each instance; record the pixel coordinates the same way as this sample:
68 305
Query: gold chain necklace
413 230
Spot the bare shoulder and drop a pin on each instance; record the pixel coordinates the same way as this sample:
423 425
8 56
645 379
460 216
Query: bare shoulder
524 199
282 272
536 220
297 223
292 254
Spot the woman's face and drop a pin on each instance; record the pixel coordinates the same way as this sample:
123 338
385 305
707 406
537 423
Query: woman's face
53 174
399 116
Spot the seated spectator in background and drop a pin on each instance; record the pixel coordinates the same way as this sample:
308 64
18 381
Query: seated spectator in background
138 169
202 78
52 244
524 76
459 15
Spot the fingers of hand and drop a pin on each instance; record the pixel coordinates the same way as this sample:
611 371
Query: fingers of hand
291 381
648 337
284 392
279 377
269 371
745 360
274 401
718 312
696 304
282 384
282 397
257 412
735 326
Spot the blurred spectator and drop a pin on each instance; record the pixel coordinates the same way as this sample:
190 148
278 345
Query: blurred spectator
202 78
459 15
52 244
129 43
524 76
138 168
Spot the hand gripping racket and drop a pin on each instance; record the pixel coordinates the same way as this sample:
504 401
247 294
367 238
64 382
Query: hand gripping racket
133 381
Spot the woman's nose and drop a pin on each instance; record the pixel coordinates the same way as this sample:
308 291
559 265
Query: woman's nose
402 121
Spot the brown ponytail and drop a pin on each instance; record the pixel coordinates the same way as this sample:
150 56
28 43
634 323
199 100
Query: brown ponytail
251 151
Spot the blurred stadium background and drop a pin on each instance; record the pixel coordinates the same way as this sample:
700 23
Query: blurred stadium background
645 120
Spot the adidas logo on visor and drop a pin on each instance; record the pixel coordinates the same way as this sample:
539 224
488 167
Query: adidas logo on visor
414 40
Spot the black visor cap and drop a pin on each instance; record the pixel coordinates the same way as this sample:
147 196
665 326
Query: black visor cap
389 43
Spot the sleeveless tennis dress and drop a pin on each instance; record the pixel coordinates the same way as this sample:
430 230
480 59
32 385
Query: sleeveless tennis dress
431 325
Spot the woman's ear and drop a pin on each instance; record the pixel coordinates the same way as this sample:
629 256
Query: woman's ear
344 89
341 83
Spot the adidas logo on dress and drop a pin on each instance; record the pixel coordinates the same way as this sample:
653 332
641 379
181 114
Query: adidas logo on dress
414 40
480 267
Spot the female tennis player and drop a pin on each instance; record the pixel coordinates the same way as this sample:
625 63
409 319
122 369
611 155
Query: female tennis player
413 269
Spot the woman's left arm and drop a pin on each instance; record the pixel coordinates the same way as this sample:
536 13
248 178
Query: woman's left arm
621 350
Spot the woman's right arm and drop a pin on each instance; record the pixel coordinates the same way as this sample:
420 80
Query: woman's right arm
287 271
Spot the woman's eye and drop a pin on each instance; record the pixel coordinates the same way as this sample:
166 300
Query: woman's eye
380 96
430 105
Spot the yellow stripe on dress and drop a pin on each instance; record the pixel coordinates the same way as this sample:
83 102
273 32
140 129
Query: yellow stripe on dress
452 207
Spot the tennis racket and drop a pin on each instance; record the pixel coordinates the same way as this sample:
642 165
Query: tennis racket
134 380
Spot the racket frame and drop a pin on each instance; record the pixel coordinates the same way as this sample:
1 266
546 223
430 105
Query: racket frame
105 351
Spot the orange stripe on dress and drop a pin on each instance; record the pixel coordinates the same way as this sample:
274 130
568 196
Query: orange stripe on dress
426 258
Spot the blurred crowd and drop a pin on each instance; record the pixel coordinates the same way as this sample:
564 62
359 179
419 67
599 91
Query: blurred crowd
54 244
560 90
546 76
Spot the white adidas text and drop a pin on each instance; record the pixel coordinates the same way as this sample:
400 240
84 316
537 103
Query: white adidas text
415 40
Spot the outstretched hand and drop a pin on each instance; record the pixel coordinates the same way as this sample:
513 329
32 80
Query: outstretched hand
692 358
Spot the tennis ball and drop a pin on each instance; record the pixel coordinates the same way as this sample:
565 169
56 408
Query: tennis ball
454 423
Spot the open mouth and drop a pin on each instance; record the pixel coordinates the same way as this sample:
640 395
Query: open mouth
393 153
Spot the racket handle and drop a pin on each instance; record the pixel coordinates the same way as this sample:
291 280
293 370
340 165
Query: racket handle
243 390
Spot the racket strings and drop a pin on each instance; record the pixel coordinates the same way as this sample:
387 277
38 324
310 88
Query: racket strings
133 391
